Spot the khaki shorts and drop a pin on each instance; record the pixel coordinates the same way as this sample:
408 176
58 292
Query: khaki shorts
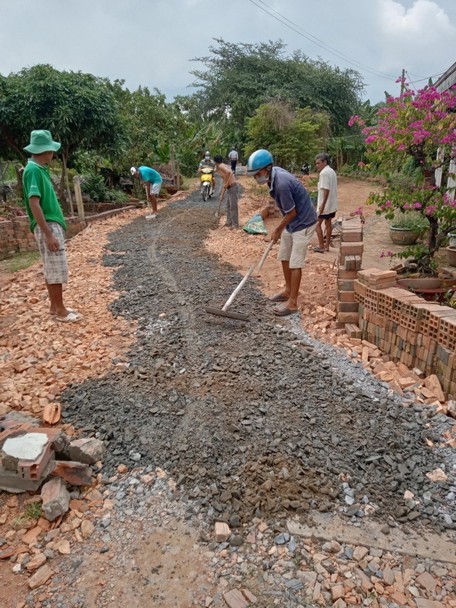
54 262
294 245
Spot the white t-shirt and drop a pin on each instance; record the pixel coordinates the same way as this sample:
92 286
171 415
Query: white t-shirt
327 181
233 155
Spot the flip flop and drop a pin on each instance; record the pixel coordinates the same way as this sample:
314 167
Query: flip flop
71 317
284 312
278 297
69 310
319 249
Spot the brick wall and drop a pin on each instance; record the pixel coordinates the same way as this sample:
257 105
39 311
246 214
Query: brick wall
410 330
15 235
349 262
402 325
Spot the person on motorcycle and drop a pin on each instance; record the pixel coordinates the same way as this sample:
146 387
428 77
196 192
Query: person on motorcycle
207 162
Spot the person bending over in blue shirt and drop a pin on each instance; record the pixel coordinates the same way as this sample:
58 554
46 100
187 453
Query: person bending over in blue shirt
296 229
153 181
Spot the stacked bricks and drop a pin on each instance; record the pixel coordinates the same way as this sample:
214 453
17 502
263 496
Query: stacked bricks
410 330
350 258
15 235
7 240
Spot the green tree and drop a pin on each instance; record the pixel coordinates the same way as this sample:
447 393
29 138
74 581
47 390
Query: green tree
415 135
79 109
238 78
291 135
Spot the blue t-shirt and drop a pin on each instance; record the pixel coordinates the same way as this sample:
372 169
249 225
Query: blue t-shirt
289 193
150 175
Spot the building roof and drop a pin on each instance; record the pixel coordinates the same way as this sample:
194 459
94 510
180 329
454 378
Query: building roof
447 79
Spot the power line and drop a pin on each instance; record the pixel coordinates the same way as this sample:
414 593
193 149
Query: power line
311 38
432 76
426 77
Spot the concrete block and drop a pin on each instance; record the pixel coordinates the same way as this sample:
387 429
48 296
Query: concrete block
11 481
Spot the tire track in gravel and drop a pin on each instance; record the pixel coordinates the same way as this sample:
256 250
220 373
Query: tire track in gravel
188 319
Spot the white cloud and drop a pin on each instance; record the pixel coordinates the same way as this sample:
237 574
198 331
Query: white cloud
151 42
418 38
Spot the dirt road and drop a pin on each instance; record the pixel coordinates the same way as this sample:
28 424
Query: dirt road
245 423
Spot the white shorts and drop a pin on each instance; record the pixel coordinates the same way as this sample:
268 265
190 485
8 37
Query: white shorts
294 245
155 188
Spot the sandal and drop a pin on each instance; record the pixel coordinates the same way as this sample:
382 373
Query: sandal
68 308
71 317
319 249
278 297
284 312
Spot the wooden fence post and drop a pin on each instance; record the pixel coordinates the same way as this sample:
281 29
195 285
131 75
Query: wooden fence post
78 195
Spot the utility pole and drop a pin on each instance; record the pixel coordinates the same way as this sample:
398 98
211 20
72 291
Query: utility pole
403 81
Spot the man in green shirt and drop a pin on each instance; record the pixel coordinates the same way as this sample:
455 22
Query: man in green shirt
46 221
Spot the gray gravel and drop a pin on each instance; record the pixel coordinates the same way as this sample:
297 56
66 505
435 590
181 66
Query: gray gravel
251 419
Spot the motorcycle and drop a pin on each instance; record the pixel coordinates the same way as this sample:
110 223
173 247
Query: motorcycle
207 182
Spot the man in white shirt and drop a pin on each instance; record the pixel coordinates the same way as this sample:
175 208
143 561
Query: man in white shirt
233 156
326 202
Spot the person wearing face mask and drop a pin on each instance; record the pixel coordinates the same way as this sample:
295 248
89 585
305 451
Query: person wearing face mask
208 162
296 229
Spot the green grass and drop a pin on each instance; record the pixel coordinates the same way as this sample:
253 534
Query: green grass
33 510
31 514
19 261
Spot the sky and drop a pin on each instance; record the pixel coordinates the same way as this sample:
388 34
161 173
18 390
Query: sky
151 42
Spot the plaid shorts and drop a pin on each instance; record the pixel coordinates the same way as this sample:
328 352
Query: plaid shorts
54 262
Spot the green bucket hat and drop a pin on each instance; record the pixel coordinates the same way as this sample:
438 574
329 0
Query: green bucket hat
41 141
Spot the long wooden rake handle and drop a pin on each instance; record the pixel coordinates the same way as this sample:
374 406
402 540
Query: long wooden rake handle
249 273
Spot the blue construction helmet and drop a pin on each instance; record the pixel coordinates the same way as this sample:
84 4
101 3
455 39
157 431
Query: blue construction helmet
259 160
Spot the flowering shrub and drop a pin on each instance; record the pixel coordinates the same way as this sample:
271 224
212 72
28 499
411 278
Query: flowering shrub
415 135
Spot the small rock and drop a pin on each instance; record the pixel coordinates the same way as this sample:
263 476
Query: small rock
36 562
360 553
40 577
87 528
87 450
222 532
63 547
56 499
235 599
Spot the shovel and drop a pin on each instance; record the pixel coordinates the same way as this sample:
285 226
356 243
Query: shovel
217 215
223 312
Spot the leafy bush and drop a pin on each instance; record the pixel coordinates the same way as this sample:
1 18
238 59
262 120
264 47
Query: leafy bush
410 221
116 196
93 186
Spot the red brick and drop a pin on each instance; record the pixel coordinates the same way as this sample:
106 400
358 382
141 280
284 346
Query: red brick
346 296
